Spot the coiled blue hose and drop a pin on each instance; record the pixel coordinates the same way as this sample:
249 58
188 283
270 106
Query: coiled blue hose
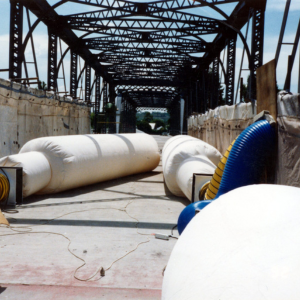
248 157
244 166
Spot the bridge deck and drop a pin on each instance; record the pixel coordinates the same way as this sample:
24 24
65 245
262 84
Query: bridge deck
100 221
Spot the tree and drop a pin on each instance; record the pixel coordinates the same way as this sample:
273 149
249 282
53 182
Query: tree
159 123
92 119
144 126
244 93
42 85
148 117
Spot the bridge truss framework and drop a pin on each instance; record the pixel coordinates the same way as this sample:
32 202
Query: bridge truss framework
150 53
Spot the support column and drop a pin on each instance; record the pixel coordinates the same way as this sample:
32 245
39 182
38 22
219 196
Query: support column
124 116
181 114
15 42
205 85
258 22
215 83
73 75
132 119
105 96
97 101
175 116
52 60
118 112
87 84
190 98
197 96
105 101
112 93
231 53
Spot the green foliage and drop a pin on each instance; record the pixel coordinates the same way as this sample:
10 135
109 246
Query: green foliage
158 123
42 85
144 126
245 94
148 117
110 109
92 119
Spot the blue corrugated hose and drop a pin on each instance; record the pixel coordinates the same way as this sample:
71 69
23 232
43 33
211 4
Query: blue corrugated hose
244 166
248 156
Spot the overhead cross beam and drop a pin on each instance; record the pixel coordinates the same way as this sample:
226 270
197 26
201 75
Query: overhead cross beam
48 16
168 47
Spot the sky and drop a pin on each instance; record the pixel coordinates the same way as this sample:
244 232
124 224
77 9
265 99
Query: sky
273 21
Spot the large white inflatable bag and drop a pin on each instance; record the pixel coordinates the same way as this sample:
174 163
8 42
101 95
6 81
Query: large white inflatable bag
185 171
36 170
79 160
243 246
180 148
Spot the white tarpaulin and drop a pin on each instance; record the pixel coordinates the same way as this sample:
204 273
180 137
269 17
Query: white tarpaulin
288 163
219 127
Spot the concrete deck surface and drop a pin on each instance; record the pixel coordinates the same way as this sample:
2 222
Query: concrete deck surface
101 223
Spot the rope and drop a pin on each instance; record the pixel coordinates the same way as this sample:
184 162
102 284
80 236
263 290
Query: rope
100 270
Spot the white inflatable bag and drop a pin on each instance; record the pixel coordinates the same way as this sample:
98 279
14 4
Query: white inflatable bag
244 245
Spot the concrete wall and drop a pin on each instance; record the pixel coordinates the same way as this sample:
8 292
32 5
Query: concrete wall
27 113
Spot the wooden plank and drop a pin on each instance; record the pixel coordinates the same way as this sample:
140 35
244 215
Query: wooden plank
266 88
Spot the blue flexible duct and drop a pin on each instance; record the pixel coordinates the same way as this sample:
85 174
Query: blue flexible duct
244 166
248 157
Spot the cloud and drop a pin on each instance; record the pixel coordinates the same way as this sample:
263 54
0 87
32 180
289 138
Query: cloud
40 45
4 52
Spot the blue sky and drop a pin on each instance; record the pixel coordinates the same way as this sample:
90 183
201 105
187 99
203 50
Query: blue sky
273 20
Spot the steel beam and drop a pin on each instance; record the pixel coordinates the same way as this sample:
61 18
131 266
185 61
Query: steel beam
73 74
105 95
52 60
291 59
257 44
215 83
98 94
15 39
87 84
230 76
52 20
283 25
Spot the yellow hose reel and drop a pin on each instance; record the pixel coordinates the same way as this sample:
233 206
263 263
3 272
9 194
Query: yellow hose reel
4 188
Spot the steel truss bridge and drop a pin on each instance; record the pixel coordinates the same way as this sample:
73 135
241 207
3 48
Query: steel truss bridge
149 53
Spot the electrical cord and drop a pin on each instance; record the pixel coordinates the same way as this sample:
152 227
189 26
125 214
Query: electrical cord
100 270
172 235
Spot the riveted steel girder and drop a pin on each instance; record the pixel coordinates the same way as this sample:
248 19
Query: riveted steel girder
15 41
153 44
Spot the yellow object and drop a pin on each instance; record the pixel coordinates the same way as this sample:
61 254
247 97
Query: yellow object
4 188
215 182
3 219
203 191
